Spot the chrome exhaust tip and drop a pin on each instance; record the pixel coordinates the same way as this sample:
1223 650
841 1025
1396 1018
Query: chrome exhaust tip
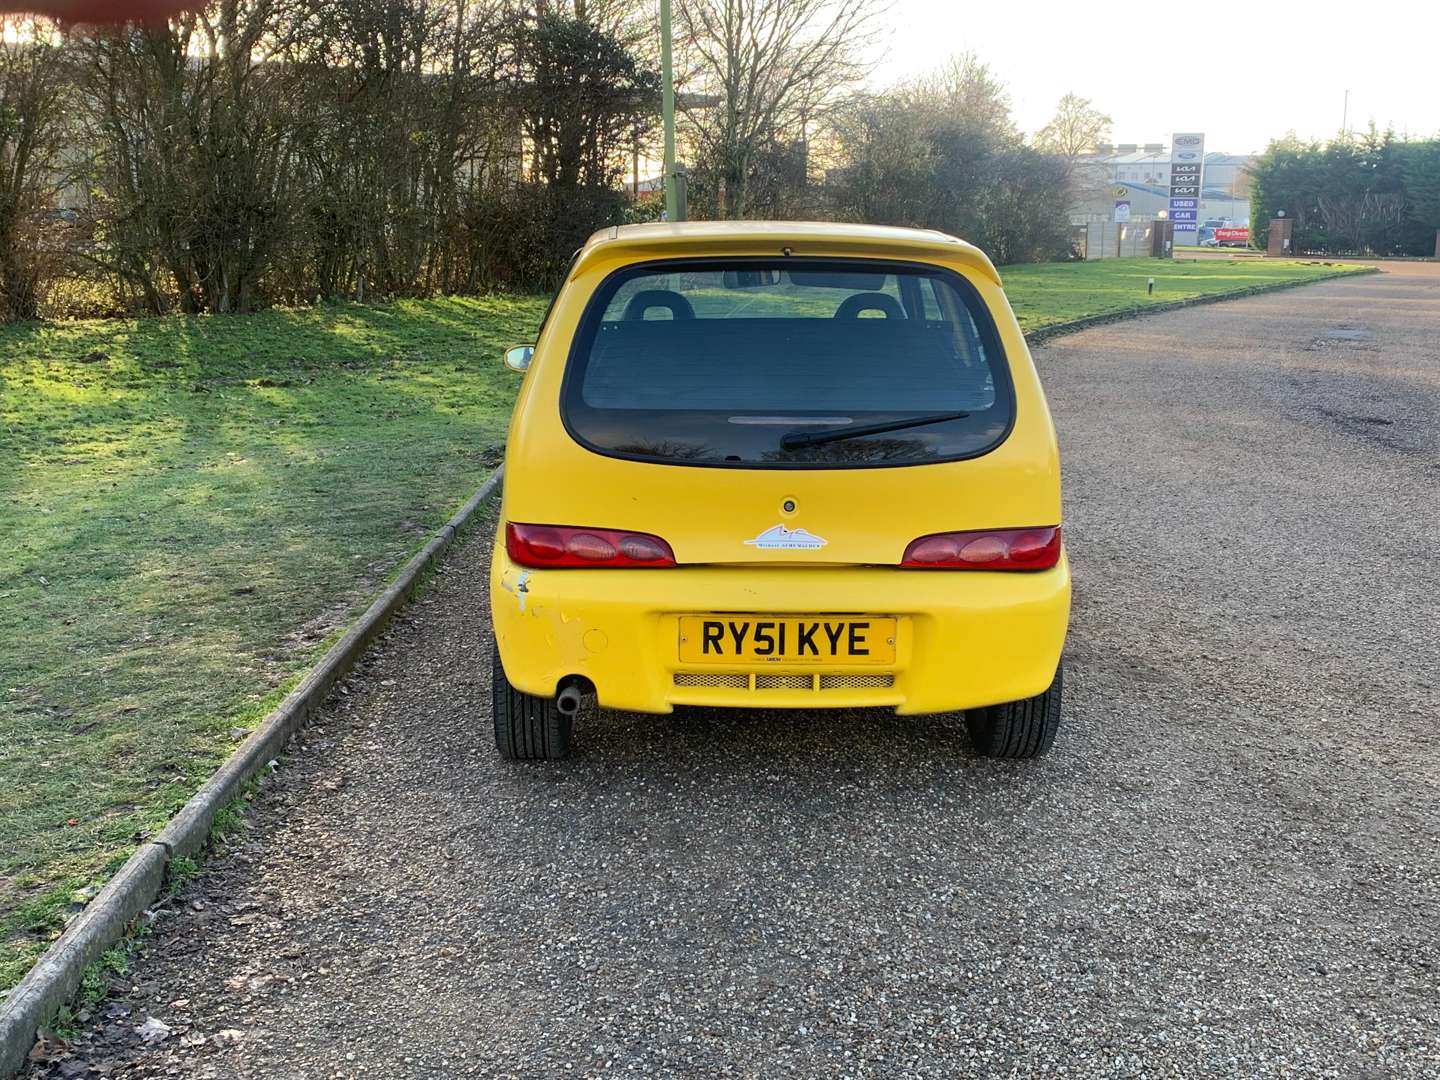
568 700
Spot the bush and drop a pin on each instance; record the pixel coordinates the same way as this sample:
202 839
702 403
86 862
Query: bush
1373 195
522 236
943 154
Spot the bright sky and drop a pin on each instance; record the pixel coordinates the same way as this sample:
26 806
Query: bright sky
1157 70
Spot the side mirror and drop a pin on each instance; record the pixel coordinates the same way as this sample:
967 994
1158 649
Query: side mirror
518 357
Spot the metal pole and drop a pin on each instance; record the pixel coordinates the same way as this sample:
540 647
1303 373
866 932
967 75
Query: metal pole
673 210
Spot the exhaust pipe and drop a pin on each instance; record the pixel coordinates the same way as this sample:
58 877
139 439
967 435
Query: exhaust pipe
568 700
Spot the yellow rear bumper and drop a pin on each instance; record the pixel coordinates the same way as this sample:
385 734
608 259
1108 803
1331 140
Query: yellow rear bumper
965 639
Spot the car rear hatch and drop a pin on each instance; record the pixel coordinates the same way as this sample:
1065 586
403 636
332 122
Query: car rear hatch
794 411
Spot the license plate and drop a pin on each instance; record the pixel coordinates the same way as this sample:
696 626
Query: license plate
822 640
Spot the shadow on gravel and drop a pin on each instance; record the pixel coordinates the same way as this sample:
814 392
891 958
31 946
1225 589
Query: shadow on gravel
808 761
700 736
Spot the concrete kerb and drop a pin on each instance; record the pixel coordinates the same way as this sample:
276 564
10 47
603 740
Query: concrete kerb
1044 333
55 978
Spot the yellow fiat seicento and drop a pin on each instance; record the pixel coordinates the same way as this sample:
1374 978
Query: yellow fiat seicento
779 465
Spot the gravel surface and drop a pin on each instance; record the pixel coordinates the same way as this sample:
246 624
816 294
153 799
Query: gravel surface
1227 866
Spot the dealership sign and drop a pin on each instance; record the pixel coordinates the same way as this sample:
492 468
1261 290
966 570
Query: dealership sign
1187 172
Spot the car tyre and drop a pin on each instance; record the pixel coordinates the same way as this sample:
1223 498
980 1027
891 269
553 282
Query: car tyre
527 728
1018 729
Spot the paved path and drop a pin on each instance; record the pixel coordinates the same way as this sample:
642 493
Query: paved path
1226 868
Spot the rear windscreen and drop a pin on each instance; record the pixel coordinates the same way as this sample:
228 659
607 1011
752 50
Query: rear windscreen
787 363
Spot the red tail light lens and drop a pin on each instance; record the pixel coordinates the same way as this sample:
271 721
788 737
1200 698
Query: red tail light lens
988 549
558 546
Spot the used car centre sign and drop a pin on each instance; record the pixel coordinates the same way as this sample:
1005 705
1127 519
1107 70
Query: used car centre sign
1187 171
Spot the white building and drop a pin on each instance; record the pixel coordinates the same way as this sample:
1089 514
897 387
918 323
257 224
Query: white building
1144 172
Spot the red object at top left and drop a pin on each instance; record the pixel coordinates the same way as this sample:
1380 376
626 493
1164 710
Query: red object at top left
99 11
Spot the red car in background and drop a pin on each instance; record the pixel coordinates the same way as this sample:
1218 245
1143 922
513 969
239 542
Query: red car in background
1232 237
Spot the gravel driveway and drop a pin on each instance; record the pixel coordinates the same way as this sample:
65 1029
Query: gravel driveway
1229 865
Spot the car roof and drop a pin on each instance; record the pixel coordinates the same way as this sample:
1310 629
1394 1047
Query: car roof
679 239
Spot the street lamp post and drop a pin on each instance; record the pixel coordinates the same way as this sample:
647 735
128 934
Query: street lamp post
674 198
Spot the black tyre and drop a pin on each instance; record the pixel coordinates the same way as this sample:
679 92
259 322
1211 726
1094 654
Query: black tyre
1018 729
527 728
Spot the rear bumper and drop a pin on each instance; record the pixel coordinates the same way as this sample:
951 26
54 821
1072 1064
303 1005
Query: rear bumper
964 639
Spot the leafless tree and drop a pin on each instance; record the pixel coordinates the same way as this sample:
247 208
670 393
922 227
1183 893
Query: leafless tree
1076 128
942 152
248 152
189 129
967 91
584 100
758 75
405 114
32 167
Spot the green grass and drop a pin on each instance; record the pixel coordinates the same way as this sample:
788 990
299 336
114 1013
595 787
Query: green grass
191 508
1047 293
96 981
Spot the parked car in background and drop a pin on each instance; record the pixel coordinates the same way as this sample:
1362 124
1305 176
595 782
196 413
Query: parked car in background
1232 236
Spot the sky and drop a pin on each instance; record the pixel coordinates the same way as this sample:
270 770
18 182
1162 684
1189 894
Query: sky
1161 68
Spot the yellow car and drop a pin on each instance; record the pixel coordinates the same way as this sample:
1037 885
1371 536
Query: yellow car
779 465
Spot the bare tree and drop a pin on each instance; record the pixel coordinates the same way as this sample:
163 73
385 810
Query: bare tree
971 94
1075 129
585 99
759 73
31 169
407 112
190 129
942 152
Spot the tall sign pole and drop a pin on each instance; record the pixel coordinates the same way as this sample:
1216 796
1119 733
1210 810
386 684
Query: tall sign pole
673 210
1187 175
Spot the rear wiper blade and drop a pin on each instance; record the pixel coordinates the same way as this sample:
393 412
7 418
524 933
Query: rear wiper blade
794 440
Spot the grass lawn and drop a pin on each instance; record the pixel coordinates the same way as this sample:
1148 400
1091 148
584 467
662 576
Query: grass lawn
1047 293
191 507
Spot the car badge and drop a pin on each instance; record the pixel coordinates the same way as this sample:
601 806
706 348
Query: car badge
779 538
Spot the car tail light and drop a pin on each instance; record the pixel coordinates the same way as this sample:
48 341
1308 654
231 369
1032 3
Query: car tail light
557 546
986 549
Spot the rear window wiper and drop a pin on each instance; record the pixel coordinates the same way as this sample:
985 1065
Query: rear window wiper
794 440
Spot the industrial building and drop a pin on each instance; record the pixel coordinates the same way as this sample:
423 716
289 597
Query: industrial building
1143 171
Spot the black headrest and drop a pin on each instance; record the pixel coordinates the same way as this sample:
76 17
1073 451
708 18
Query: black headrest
646 299
852 306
